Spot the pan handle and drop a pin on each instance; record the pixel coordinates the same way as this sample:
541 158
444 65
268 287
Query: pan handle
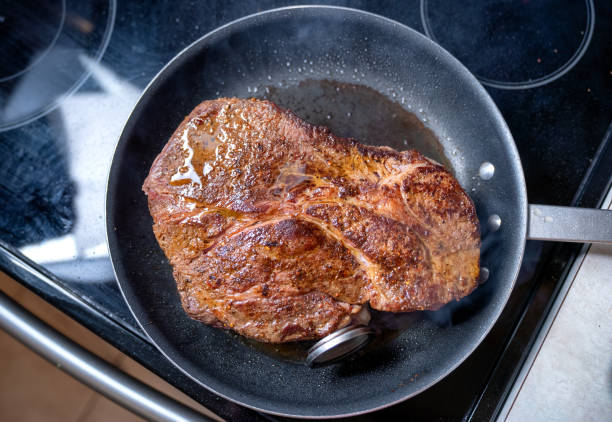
569 224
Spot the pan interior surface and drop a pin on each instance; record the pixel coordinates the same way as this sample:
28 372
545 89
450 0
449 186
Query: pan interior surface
278 50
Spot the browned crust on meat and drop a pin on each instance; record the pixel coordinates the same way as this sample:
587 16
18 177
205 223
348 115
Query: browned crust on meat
282 231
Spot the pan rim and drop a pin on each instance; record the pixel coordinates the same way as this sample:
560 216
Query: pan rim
522 203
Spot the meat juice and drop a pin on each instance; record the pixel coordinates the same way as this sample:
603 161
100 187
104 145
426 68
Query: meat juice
360 112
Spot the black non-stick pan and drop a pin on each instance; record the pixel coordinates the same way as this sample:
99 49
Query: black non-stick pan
366 77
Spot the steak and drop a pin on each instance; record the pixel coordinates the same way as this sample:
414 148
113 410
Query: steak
281 231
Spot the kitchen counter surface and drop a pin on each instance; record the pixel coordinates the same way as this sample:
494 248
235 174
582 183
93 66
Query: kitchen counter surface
568 374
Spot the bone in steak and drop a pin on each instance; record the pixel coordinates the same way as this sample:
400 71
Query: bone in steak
281 231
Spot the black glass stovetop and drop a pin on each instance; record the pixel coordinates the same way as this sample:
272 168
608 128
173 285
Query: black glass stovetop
71 71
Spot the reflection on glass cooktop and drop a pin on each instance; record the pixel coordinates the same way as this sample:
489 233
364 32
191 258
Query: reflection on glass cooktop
44 53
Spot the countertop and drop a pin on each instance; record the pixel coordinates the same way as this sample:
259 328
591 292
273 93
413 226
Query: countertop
568 374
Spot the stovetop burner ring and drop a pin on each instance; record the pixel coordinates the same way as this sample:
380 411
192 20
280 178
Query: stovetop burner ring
42 55
38 75
531 82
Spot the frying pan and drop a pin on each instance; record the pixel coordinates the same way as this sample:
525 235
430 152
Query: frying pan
278 54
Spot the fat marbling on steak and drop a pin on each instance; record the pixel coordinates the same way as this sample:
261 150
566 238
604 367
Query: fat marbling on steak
281 231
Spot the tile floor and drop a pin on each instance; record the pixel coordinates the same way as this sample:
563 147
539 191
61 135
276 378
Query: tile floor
31 389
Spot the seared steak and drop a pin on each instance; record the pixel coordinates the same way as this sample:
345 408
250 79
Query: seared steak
282 231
